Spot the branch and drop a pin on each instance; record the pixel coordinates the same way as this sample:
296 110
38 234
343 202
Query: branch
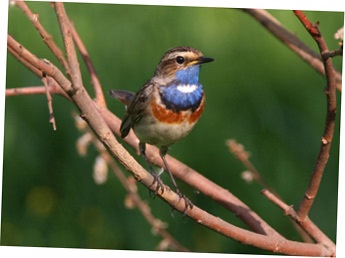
46 37
53 88
129 184
240 153
38 65
45 80
327 137
292 42
304 229
26 63
99 96
75 74
197 181
306 223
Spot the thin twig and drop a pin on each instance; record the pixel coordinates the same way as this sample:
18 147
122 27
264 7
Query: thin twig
288 209
99 96
47 38
72 59
53 87
42 65
337 52
306 223
292 42
45 81
30 66
240 152
327 137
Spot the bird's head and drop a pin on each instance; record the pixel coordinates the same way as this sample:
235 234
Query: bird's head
181 63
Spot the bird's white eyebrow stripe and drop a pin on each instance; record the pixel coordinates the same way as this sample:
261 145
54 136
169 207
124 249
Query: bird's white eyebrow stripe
187 88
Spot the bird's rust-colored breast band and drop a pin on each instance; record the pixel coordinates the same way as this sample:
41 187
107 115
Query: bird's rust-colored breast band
169 116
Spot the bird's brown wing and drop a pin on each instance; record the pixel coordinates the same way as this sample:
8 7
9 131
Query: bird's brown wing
136 108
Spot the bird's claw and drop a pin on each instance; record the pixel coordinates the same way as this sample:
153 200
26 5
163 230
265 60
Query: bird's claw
159 185
188 203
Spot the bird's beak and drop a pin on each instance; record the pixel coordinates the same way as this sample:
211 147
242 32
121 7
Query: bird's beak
205 59
201 60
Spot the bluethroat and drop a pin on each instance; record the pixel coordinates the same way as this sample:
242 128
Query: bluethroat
167 106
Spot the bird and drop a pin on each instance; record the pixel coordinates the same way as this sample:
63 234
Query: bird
166 107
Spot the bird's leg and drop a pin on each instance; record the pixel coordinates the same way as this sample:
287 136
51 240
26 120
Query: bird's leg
163 151
156 176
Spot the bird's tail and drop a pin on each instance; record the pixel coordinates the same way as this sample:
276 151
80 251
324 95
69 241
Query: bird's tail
124 96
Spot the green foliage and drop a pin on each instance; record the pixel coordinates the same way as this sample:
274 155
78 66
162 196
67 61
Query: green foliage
258 92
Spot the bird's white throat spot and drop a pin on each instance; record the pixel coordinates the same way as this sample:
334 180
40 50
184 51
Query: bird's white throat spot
187 88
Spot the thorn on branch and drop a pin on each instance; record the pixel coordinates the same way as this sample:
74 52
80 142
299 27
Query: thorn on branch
324 141
328 54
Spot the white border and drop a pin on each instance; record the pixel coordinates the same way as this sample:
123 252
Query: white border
315 5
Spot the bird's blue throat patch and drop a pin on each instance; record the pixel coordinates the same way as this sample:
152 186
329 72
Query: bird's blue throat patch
185 92
182 96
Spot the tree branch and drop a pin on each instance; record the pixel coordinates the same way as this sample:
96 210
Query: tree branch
306 223
99 96
45 81
53 88
133 197
292 42
327 137
46 37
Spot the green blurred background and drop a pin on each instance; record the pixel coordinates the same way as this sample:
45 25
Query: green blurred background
258 92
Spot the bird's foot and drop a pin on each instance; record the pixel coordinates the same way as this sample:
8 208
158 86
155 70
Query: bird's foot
159 185
188 203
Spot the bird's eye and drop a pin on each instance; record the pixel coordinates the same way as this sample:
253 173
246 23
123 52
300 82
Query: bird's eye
180 59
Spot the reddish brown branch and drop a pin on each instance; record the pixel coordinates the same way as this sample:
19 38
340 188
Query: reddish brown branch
47 38
99 96
41 65
72 59
288 209
45 81
306 223
197 181
337 52
157 225
26 63
240 153
53 87
327 137
292 42
130 186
